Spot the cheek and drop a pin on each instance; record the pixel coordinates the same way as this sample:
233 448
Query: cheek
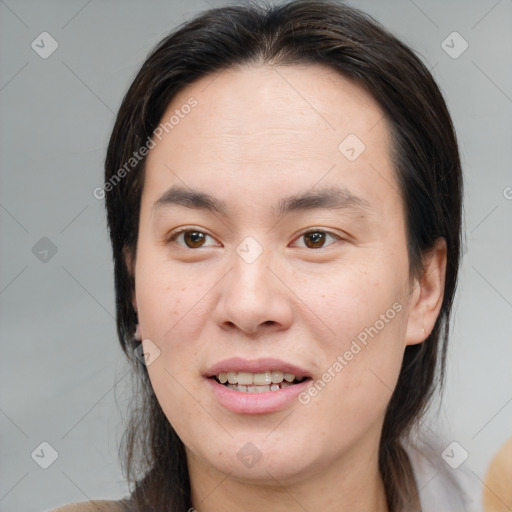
173 307
168 296
178 397
357 383
365 314
352 298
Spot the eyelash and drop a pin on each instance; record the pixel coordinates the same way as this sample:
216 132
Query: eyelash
174 236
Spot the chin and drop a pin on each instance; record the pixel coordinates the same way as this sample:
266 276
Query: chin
266 471
260 462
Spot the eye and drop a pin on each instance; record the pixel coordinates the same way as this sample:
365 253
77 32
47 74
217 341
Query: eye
315 239
192 238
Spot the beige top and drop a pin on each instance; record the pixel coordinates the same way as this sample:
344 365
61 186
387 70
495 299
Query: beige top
498 481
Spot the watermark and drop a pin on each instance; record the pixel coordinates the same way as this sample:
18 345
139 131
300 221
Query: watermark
146 352
454 45
351 147
44 455
44 45
249 249
454 455
355 348
507 192
249 454
137 156
44 250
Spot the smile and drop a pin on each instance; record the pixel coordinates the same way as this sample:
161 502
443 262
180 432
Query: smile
246 382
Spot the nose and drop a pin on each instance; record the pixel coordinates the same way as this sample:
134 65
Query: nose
253 298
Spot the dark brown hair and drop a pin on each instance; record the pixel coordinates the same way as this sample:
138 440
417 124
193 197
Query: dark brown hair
427 166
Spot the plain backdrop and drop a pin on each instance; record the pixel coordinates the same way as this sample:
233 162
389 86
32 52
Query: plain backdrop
64 378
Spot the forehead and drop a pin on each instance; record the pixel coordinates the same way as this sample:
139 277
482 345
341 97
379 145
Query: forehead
279 126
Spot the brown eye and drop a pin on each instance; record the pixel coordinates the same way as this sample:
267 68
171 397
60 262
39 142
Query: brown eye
194 239
317 239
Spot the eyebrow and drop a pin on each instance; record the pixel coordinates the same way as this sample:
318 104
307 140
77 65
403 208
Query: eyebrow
331 197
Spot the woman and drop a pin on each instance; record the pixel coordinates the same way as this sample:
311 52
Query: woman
283 190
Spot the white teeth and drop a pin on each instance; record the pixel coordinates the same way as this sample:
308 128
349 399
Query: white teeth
262 379
277 377
258 389
244 379
258 379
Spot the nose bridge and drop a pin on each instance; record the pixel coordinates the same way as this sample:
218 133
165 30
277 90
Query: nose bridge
252 296
251 273
251 279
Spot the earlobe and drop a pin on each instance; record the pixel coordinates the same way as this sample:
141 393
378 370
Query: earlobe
427 297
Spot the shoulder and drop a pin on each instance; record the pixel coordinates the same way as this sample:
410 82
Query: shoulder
96 506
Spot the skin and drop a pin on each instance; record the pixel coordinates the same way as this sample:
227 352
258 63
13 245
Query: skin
259 134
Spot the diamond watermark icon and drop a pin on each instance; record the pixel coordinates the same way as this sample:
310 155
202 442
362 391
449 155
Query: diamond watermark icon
44 455
147 352
454 455
249 249
454 45
249 455
351 147
44 45
44 250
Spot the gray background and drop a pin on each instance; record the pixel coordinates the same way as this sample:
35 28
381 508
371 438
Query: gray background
60 356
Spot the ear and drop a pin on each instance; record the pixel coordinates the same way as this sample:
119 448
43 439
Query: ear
427 295
131 270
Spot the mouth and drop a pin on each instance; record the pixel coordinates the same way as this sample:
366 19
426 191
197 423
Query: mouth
262 382
261 386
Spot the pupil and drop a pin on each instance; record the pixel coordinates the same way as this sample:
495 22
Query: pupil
317 238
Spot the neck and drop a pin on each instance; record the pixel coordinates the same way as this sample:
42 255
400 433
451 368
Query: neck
353 484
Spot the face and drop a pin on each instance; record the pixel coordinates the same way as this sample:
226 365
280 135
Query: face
272 231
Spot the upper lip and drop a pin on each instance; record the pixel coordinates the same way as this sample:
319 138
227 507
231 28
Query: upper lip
238 364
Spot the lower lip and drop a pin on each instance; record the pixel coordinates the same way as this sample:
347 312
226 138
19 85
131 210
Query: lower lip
256 403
